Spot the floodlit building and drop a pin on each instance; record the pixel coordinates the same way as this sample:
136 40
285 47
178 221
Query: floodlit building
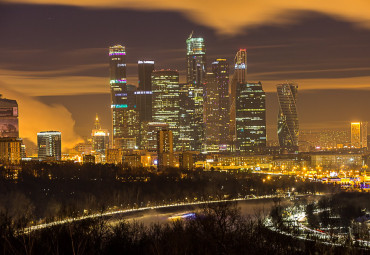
250 117
359 134
49 145
288 127
100 138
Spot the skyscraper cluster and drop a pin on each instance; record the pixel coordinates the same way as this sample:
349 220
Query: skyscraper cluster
211 112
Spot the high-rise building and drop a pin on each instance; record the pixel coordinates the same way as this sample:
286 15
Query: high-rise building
49 145
250 117
288 127
196 70
359 134
212 113
100 138
149 134
10 150
186 114
196 60
239 76
165 148
117 62
8 118
165 85
144 91
220 68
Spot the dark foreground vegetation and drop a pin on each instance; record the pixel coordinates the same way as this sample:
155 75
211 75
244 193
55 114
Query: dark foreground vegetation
218 229
51 191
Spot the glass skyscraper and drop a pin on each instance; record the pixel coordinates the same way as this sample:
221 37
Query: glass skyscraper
165 85
288 128
212 113
250 117
239 76
220 68
117 64
196 70
144 91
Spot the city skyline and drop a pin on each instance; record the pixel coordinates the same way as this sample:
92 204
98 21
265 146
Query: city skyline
275 54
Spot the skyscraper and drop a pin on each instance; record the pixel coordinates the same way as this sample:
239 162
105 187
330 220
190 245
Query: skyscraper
196 60
144 91
186 114
250 117
288 127
165 85
239 76
49 145
359 134
220 68
117 62
196 70
211 113
8 118
100 138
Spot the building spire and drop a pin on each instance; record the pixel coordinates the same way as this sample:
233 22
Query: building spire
97 122
191 34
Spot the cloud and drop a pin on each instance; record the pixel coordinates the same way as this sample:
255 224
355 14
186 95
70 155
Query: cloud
233 17
353 83
35 116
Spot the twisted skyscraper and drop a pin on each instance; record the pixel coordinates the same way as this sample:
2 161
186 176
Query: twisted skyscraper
288 128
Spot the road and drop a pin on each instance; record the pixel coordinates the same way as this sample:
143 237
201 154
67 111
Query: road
154 214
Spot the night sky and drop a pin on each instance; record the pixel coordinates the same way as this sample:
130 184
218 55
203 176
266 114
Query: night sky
54 61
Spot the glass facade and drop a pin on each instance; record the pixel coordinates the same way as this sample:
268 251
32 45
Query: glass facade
221 70
165 85
144 91
196 70
239 76
49 145
117 64
250 117
288 127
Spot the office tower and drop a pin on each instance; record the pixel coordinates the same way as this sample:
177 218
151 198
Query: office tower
250 117
196 70
220 68
165 85
212 113
359 134
165 148
186 113
239 76
100 138
49 145
149 134
8 118
196 60
117 62
144 91
288 128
